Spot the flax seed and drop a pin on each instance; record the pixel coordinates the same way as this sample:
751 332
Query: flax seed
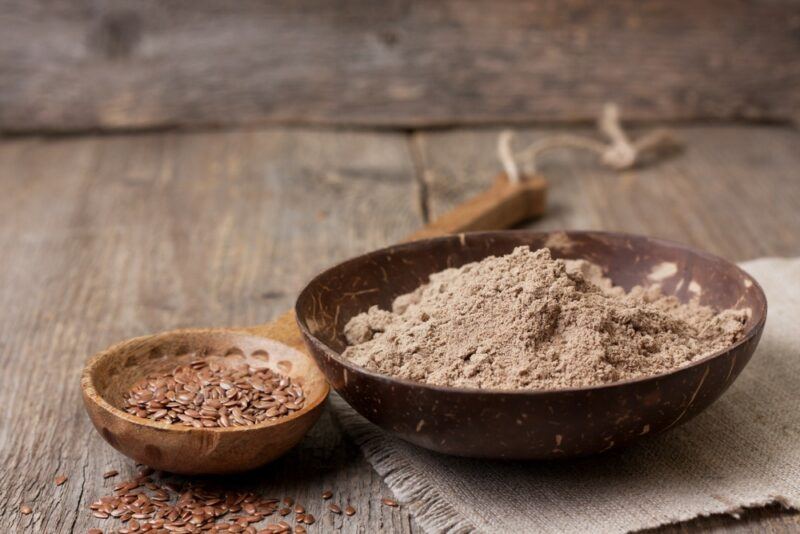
203 395
349 510
25 509
327 494
149 504
389 502
60 479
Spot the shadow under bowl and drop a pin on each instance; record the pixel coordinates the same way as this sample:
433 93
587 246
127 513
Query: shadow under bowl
528 424
177 448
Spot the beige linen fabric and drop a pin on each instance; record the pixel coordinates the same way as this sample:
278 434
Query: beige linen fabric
743 451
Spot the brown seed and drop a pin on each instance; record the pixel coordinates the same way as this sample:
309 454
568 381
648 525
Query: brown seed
206 395
298 509
60 479
327 494
284 511
288 501
25 509
300 529
334 508
109 474
94 531
349 510
389 502
167 507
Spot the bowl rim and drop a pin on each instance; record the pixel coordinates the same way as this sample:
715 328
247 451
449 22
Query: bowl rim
749 334
90 392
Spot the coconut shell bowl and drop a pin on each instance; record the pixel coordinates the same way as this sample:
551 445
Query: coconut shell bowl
529 424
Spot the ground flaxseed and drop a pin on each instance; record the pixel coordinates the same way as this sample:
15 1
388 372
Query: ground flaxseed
528 321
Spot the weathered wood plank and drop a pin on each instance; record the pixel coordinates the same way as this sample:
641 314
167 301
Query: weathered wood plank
733 192
127 64
105 239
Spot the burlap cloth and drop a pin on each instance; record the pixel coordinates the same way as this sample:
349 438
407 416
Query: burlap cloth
743 451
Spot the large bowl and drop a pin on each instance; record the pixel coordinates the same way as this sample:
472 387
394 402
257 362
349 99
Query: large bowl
533 423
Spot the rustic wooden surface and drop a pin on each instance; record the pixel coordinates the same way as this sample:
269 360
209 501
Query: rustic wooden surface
105 238
128 64
733 191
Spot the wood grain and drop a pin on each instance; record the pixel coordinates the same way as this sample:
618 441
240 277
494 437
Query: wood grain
734 192
129 64
104 239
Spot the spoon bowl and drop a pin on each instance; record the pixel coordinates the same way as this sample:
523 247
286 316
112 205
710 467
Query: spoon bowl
177 448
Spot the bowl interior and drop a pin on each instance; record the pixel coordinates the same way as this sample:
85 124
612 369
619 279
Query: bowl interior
115 371
377 278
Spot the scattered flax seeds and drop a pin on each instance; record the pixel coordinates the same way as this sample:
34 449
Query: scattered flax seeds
528 321
147 503
109 474
207 394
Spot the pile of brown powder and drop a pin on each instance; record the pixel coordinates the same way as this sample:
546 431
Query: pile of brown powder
527 321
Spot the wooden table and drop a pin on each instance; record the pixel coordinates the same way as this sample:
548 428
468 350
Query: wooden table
108 237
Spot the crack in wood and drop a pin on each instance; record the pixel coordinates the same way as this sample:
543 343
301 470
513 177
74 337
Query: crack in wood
417 156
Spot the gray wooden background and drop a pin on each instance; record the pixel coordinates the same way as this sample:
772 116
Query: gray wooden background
132 64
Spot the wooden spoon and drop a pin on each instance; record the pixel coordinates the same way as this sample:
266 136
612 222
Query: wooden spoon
278 345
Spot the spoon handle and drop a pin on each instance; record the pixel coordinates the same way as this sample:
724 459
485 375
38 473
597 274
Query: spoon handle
503 205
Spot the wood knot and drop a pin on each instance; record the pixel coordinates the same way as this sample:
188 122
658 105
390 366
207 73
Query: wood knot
116 34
